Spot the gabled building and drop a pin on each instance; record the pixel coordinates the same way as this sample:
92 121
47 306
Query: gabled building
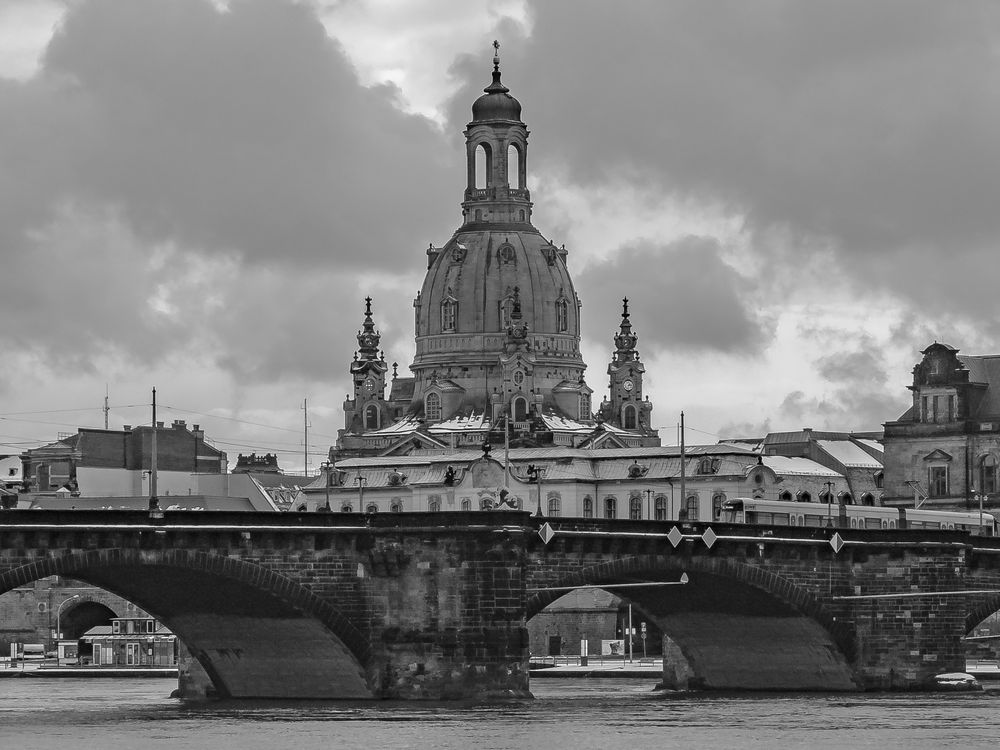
945 449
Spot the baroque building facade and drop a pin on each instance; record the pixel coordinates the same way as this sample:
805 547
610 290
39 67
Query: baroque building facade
944 451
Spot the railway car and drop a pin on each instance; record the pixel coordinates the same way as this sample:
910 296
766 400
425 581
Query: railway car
785 513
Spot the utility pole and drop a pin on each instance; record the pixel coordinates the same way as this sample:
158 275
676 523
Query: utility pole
683 460
305 423
106 407
154 502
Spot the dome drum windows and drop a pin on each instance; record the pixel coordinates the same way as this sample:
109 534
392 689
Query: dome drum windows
629 417
449 314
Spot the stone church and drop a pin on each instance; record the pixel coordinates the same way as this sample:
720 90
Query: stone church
497 325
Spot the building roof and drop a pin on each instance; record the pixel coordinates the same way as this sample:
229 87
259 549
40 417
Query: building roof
985 369
167 502
849 454
794 466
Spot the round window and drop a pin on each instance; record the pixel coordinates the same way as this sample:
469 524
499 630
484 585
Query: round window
518 377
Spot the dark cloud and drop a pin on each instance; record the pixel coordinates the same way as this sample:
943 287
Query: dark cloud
871 124
681 296
177 176
241 131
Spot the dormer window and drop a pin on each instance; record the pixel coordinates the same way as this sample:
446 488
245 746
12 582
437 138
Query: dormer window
432 407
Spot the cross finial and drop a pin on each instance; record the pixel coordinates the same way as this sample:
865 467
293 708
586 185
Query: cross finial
624 307
368 305
496 55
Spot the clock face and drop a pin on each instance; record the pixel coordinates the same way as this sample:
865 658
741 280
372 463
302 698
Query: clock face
367 340
628 385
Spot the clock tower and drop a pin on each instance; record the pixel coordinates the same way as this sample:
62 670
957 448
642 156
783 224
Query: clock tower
365 408
626 407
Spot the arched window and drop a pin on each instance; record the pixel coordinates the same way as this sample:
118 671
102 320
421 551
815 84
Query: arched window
635 507
610 507
691 508
660 508
826 497
432 406
396 506
514 167
449 314
628 417
371 417
562 315
879 480
521 215
717 500
588 507
519 408
466 503
484 166
868 499
987 474
346 508
434 503
506 308
584 406
554 504
804 497
785 496
371 508
847 498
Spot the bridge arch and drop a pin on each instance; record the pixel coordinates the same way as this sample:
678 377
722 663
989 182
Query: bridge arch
734 624
981 607
246 625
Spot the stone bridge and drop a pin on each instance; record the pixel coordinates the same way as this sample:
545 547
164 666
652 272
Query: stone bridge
434 606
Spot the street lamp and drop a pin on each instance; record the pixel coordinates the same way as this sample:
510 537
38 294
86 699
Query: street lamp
59 614
361 492
829 503
535 474
327 467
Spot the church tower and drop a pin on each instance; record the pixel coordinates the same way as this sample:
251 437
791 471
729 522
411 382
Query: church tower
365 408
626 407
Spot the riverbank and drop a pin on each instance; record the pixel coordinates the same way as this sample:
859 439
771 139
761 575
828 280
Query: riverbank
571 666
36 669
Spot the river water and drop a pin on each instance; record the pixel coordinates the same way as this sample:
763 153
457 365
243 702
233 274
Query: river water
575 714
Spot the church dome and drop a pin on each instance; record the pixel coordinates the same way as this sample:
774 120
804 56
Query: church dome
496 103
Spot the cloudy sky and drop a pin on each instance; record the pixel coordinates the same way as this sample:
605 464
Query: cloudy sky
197 195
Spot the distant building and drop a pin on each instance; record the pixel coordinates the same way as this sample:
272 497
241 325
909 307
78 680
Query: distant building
117 462
944 451
109 469
129 642
806 460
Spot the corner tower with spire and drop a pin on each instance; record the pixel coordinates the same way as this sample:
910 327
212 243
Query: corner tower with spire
626 408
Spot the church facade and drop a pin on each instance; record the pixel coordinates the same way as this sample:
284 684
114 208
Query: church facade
497 329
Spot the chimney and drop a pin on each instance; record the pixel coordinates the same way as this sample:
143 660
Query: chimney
127 428
197 431
179 424
159 425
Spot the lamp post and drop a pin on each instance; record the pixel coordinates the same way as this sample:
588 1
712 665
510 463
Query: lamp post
649 495
535 474
58 621
361 492
829 503
327 467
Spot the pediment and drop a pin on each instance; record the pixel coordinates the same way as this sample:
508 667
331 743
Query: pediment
937 455
415 441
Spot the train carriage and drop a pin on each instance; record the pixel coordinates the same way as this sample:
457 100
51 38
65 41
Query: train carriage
785 513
